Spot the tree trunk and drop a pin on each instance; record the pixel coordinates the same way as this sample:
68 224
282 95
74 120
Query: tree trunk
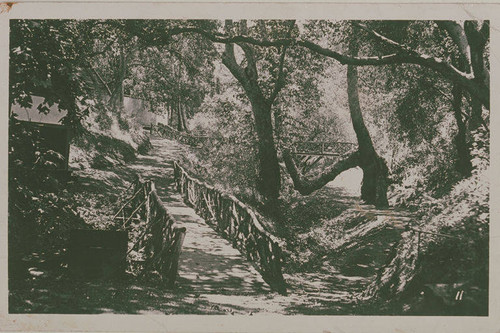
180 125
184 118
477 38
462 62
116 98
269 178
464 165
375 171
170 113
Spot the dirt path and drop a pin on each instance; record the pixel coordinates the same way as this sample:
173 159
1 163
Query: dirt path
214 277
215 272
209 266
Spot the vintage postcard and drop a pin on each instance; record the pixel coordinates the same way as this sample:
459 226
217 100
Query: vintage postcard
249 167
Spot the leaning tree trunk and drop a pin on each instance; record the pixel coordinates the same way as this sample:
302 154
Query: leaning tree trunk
464 165
375 171
269 179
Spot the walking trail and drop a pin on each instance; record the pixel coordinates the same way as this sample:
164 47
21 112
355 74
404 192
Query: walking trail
214 278
213 271
209 266
216 273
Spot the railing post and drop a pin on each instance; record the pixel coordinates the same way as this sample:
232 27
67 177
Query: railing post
178 240
240 226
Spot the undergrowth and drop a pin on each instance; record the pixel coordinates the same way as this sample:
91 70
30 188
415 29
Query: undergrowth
455 247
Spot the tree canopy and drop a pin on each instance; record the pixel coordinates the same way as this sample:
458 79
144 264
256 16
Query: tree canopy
412 77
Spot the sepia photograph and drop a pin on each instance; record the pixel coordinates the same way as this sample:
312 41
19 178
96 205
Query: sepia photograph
249 167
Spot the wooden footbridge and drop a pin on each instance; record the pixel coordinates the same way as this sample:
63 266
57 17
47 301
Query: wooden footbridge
209 243
224 246
202 240
298 148
322 148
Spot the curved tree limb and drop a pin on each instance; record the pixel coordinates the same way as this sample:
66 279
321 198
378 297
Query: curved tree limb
280 81
457 34
306 186
96 73
405 55
465 79
248 76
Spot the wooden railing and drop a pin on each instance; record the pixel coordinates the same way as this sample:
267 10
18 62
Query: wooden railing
161 238
237 223
168 132
322 148
300 148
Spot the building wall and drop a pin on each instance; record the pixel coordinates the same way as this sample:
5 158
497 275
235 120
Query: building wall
133 107
32 114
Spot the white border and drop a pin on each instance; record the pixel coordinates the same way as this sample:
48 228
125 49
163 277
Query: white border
267 323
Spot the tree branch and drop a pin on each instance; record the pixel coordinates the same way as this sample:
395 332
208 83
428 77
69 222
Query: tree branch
439 65
457 34
100 79
403 48
182 59
229 61
306 186
104 49
280 81
405 56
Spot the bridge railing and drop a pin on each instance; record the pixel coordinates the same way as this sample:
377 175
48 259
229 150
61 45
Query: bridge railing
161 238
166 131
327 148
237 223
301 148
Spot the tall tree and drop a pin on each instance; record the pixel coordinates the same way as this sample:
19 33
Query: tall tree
269 180
375 171
475 84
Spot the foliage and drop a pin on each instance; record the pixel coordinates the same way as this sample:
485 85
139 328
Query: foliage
46 58
460 257
40 216
231 158
88 66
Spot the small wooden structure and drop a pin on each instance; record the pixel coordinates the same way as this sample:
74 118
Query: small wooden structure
322 148
98 254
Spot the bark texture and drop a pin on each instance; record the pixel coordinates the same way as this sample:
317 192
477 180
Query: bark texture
269 177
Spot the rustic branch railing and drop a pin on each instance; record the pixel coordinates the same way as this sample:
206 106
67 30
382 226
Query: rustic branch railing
166 131
300 148
237 223
162 238
322 148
